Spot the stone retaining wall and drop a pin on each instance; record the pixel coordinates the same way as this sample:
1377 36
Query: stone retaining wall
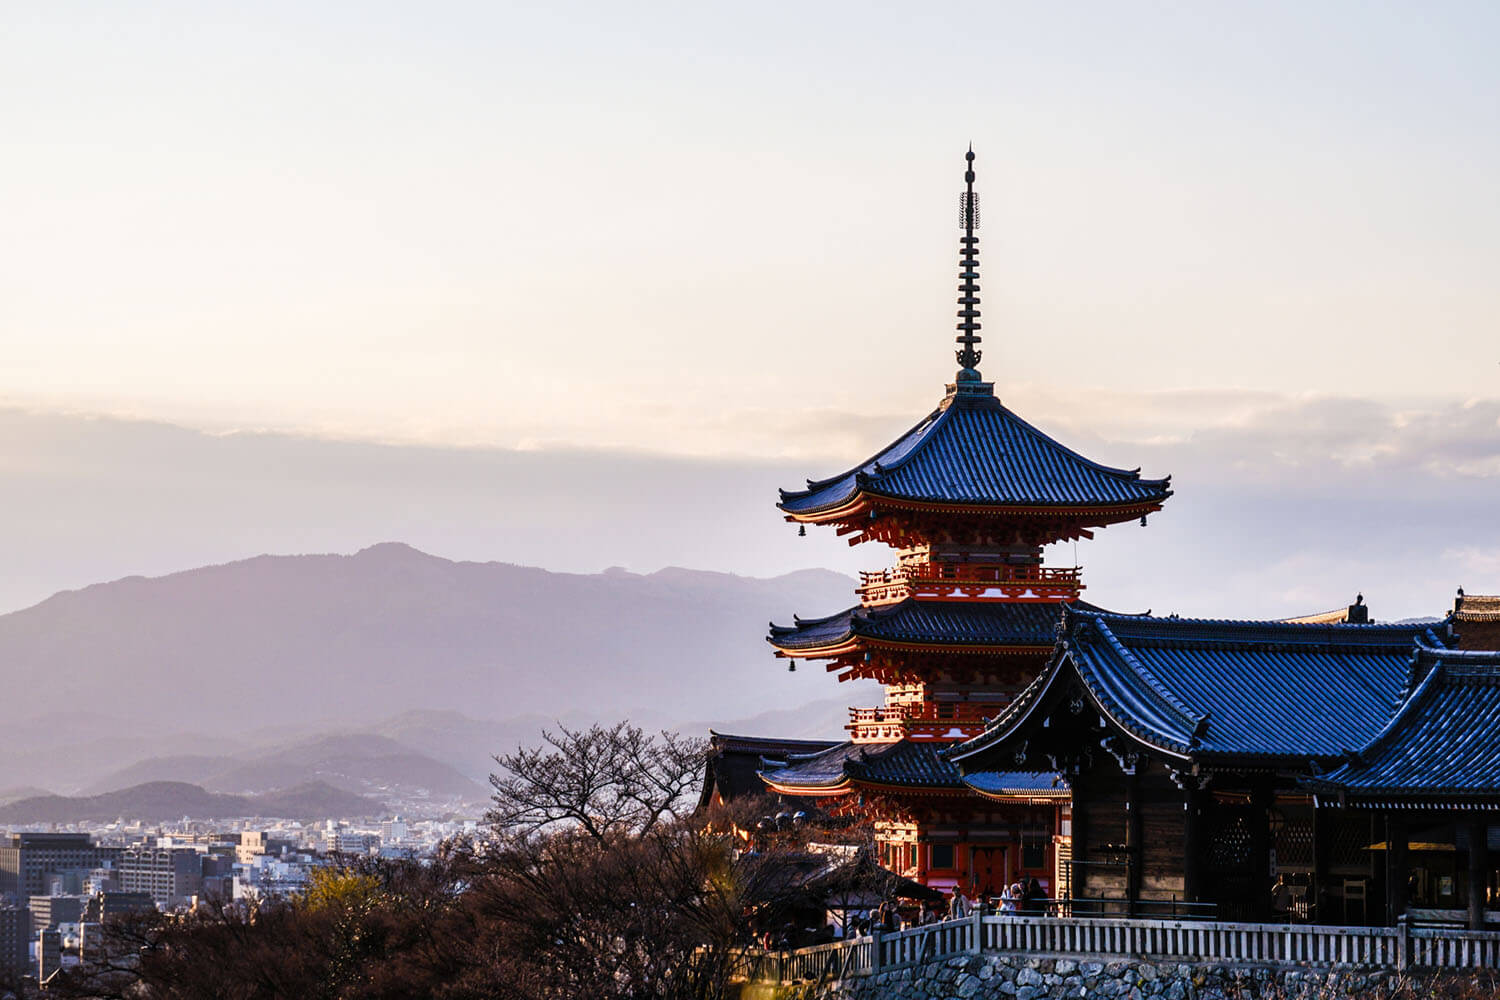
1002 977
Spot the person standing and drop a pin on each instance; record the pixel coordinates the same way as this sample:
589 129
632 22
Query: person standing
1034 899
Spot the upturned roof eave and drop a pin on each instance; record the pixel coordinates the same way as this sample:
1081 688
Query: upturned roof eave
1040 693
1023 798
859 643
923 427
862 500
1012 718
862 481
1000 631
840 787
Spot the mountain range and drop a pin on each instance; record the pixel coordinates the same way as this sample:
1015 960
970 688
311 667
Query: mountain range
389 673
162 801
360 763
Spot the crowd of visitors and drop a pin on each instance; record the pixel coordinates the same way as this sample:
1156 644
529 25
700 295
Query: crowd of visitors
1026 897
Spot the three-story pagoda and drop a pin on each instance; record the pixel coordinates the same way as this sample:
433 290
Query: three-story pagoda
965 619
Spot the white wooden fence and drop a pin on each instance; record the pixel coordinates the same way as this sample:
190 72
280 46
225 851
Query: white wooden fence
1398 948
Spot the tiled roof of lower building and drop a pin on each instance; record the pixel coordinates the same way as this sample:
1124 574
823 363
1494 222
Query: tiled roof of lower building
1477 608
733 762
1020 784
820 771
904 763
1197 687
1444 742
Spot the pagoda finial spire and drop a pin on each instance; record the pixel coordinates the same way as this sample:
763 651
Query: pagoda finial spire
968 292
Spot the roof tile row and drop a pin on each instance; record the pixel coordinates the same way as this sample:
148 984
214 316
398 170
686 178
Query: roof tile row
973 451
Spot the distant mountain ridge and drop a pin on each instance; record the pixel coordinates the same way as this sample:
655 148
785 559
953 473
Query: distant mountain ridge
389 628
8 795
360 763
163 801
228 676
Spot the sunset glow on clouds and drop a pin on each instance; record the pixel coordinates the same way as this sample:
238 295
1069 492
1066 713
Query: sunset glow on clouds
715 249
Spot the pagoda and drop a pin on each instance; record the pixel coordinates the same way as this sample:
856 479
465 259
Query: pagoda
964 620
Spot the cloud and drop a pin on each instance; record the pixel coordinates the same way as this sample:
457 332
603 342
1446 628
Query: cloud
1284 504
1470 561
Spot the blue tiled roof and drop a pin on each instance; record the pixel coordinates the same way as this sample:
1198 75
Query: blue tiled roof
824 769
1444 742
1232 688
972 450
903 763
1017 783
734 762
908 763
978 623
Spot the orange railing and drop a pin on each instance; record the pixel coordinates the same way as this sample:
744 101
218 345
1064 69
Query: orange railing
972 573
924 712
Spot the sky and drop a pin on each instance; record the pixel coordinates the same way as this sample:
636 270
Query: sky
582 284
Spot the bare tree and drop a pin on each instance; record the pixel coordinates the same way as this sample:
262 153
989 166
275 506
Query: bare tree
601 780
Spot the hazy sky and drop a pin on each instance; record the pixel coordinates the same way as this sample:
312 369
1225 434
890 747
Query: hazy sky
728 232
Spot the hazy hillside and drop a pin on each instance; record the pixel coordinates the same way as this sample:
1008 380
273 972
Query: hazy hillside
21 792
388 670
299 639
161 801
362 763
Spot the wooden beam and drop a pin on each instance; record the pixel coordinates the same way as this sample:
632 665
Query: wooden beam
1078 879
1397 868
1479 866
1261 801
1318 891
1135 850
1192 844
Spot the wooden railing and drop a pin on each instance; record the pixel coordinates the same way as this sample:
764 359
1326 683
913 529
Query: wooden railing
893 584
973 573
928 720
927 711
1399 948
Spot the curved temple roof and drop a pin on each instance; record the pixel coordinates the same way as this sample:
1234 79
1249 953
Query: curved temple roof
947 623
1005 785
901 764
972 451
1227 688
1443 743
734 762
